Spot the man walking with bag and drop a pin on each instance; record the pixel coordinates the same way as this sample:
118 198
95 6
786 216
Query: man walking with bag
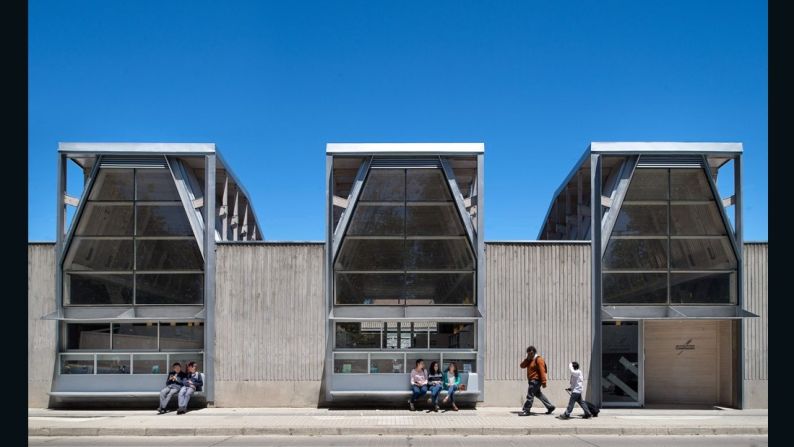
536 376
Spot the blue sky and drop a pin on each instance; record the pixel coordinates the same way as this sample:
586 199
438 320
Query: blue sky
272 82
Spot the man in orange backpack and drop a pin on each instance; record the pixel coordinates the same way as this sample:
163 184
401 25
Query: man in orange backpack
536 375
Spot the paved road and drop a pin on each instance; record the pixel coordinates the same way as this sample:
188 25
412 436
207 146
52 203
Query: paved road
403 441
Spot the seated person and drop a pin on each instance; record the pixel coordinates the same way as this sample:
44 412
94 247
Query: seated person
418 383
172 386
434 380
451 383
190 384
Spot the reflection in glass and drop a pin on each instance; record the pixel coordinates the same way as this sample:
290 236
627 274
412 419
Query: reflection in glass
103 219
113 364
99 254
369 288
391 335
641 220
452 336
149 364
434 254
386 364
620 361
371 254
702 254
706 288
77 364
358 335
689 184
163 220
169 288
350 363
640 288
181 336
112 184
648 184
98 289
439 288
377 220
168 254
426 185
643 254
133 336
433 220
464 362
94 336
428 357
696 220
155 184
384 185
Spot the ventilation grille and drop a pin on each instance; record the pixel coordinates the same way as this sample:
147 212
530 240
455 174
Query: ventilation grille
405 162
117 162
670 161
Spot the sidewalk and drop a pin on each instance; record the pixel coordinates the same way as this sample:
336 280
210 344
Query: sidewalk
314 421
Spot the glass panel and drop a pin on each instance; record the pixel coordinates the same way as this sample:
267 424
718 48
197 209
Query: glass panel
377 220
433 220
648 184
155 184
689 184
371 254
134 336
186 357
641 254
702 254
440 288
426 185
428 358
113 363
386 364
112 184
358 335
384 185
620 361
100 219
641 220
696 220
350 363
381 288
452 336
168 254
99 254
162 220
439 254
181 336
634 288
169 288
417 339
391 335
77 364
703 288
99 289
464 362
94 336
149 364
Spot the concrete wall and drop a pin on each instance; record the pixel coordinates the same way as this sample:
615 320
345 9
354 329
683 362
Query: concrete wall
41 333
756 330
270 325
539 294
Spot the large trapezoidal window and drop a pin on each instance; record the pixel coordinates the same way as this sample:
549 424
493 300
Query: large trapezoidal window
669 243
133 243
405 243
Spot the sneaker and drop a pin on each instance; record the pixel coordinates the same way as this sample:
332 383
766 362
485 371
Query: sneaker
454 407
180 411
436 408
551 410
563 416
411 405
160 410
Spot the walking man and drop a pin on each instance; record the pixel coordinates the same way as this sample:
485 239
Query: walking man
536 376
576 389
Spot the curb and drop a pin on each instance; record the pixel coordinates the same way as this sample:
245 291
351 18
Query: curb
396 430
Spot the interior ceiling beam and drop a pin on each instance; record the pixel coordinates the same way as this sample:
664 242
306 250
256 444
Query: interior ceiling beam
340 202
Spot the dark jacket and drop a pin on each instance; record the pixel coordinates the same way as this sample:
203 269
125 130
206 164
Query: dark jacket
195 378
180 376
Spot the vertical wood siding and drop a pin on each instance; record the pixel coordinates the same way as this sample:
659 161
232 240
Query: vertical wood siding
539 294
756 300
270 323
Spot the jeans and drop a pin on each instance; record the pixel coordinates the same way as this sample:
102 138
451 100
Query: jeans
434 391
576 398
418 392
167 393
534 391
184 396
451 392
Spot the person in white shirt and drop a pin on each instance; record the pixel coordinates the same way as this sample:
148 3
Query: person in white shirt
577 382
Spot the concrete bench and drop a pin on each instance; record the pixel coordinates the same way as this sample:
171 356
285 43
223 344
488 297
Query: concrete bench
470 391
119 394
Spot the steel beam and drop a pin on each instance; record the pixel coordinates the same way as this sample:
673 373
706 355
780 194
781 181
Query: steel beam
595 278
209 276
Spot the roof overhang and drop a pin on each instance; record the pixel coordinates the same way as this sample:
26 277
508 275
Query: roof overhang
404 148
137 148
385 313
663 147
618 313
